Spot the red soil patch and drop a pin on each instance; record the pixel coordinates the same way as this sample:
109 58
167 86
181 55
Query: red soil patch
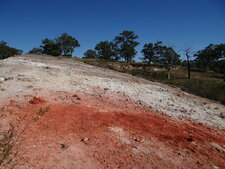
36 100
99 132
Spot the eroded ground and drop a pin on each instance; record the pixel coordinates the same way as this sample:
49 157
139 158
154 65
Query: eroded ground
79 116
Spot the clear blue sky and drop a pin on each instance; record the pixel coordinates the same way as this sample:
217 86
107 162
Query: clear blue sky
178 23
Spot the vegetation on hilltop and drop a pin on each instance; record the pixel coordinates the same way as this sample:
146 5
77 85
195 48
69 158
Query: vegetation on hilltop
202 73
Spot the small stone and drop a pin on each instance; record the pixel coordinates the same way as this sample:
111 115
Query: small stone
218 147
215 167
76 96
2 79
189 139
222 115
85 140
64 146
136 139
135 150
8 78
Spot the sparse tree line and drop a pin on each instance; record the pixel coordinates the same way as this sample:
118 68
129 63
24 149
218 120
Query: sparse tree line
122 47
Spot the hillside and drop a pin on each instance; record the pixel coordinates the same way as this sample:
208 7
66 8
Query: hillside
65 113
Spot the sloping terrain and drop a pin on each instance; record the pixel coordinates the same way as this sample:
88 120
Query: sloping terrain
68 114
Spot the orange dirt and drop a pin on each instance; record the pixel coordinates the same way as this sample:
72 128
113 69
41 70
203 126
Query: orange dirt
110 131
36 100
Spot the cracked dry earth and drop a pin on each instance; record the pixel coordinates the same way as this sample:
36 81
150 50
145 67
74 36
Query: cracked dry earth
70 115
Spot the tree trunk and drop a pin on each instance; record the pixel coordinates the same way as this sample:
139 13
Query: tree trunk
189 70
126 59
168 75
188 55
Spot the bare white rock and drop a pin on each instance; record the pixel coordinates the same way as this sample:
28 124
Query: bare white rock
2 79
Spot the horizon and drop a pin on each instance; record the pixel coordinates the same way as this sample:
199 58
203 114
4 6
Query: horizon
181 24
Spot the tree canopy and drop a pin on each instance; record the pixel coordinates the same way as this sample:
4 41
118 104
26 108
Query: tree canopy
150 52
7 51
126 44
207 58
50 47
90 53
36 51
106 50
67 44
168 57
62 45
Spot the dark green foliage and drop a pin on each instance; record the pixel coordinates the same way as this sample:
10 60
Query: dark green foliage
91 54
158 53
220 66
36 51
168 57
7 51
62 45
126 44
208 57
150 52
67 44
50 47
106 50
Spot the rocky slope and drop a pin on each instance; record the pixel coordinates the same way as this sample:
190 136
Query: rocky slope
74 115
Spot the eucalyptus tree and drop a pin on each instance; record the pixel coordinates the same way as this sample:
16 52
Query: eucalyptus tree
168 57
150 52
126 43
90 53
67 44
106 50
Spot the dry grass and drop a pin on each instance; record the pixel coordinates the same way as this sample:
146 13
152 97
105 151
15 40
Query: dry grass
209 84
7 154
41 111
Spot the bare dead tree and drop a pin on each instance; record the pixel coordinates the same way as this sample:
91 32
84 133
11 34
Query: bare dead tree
188 52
